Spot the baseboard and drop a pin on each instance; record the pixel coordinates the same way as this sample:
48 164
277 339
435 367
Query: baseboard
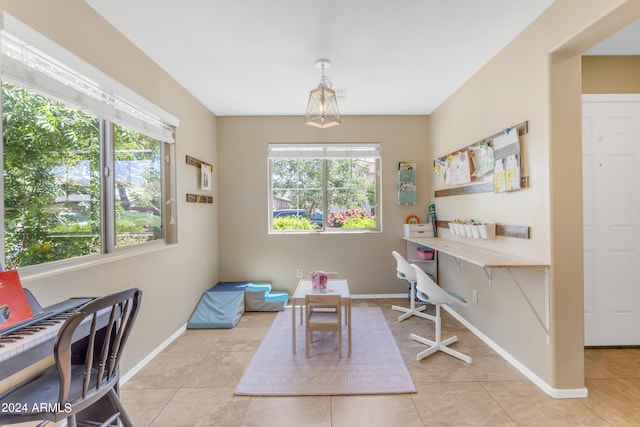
131 372
551 391
379 296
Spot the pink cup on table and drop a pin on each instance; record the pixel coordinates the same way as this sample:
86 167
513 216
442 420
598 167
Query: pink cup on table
319 280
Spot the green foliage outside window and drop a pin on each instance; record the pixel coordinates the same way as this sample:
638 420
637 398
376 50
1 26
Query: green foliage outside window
41 138
139 189
52 187
293 223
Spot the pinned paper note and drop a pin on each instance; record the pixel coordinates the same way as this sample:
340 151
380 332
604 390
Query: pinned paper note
506 152
482 157
459 171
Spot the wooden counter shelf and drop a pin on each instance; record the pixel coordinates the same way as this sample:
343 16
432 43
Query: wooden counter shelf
482 257
488 259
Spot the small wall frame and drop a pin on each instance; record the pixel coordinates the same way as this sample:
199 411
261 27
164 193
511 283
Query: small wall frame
206 171
206 177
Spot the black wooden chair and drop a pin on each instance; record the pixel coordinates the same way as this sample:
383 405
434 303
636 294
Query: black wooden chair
77 381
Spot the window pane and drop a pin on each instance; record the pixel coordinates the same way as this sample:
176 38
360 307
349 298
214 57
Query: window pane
296 194
336 193
138 195
351 193
51 179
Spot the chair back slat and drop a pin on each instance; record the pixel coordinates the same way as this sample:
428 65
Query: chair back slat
323 299
105 346
89 357
324 313
123 327
62 353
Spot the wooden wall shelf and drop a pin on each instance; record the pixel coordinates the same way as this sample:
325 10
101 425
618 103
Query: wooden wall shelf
199 198
485 187
193 161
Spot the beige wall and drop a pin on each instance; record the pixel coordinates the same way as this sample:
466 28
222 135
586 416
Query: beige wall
536 78
174 277
248 252
611 74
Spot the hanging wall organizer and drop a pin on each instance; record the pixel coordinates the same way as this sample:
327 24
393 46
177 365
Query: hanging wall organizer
406 183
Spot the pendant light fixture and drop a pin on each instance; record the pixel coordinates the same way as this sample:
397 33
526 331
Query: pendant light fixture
322 110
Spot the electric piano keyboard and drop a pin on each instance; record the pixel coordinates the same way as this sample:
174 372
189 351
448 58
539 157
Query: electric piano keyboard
34 338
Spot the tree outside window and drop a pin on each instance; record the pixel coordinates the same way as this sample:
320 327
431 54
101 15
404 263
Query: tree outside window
51 179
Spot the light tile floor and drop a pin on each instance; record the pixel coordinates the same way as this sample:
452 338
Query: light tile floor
191 384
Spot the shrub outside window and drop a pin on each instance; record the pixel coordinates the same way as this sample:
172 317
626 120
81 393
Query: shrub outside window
324 187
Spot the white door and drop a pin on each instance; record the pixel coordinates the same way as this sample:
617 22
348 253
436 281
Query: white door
611 191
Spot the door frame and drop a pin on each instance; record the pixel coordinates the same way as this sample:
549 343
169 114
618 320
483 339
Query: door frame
611 97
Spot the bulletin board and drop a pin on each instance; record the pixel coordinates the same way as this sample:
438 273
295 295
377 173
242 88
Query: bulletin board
489 165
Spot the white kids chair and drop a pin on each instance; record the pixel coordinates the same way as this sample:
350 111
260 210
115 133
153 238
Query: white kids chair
404 271
429 291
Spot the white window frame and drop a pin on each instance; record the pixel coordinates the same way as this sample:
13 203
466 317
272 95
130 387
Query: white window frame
325 151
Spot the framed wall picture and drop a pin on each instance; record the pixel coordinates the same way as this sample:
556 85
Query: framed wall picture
206 171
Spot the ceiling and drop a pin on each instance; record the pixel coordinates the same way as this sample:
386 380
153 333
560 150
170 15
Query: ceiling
257 57
624 42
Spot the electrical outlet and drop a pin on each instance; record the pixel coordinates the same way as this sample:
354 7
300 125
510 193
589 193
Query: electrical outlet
299 273
474 296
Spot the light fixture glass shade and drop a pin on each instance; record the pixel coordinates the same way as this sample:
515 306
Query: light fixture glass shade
322 110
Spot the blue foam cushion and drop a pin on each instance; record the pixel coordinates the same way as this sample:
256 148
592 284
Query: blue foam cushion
259 297
277 296
256 287
218 310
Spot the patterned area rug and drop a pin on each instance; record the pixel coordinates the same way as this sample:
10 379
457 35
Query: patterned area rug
374 367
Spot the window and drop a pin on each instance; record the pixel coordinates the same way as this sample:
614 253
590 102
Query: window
51 180
138 196
324 187
86 170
